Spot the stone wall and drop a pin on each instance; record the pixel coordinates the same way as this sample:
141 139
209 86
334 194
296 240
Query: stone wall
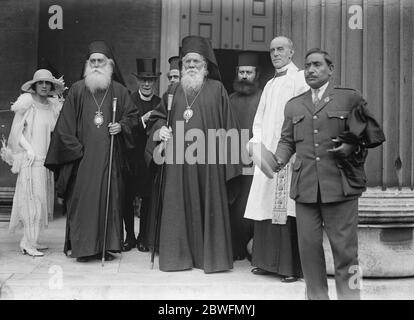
132 28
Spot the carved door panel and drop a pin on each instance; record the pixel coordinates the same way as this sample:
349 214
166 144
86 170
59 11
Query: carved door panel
203 19
258 24
232 28
230 24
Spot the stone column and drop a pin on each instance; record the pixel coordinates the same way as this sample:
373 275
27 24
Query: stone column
385 233
170 37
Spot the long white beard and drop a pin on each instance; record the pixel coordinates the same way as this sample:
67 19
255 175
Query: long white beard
192 82
98 78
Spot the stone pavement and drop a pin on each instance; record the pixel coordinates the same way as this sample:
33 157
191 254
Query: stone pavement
56 276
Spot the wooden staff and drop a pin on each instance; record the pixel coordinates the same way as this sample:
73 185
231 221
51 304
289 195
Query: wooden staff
160 185
111 151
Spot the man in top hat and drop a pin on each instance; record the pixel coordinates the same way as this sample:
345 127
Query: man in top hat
244 101
275 247
79 155
139 178
195 225
173 74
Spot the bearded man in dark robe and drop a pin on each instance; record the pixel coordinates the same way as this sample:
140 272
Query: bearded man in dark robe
79 156
195 225
244 102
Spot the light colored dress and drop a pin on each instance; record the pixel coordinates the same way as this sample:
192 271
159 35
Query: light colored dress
34 193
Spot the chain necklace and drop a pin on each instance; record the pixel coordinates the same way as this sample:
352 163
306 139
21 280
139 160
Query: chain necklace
98 120
188 113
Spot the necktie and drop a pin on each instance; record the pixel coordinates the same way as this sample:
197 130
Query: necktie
316 97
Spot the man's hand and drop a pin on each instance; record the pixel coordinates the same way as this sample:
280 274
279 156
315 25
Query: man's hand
280 164
165 133
114 128
146 116
343 151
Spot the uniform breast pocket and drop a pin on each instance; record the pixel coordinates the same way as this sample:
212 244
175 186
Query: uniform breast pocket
298 128
337 122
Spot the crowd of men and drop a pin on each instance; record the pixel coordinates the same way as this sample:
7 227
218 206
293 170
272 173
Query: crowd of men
307 139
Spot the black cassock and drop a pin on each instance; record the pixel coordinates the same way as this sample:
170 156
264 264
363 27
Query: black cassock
195 224
139 178
244 109
79 157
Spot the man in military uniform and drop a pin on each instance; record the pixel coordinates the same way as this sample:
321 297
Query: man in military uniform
329 128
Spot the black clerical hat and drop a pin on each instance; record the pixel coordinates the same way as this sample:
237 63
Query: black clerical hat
174 63
202 46
99 46
146 68
248 58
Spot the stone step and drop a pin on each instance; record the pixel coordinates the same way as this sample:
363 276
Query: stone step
129 277
127 286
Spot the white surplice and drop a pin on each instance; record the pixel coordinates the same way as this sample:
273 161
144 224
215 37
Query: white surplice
267 125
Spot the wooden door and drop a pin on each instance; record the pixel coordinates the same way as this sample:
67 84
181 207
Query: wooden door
258 24
201 18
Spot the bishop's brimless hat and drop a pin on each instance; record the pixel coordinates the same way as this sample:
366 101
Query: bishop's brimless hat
203 47
99 46
174 62
248 58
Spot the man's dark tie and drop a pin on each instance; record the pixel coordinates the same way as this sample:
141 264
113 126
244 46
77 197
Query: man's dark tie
280 74
316 99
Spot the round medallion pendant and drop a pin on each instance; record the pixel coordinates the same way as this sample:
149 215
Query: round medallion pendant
188 113
98 120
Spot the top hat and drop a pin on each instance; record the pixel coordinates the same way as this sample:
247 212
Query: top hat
146 68
44 75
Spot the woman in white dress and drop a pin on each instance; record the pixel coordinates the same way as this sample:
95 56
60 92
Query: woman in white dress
36 112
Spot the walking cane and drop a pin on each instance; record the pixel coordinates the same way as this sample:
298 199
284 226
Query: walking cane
111 150
158 210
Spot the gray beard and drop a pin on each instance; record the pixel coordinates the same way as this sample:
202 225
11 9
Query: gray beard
192 83
98 79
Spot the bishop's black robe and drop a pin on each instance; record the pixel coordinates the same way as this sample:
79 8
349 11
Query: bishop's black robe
79 156
195 225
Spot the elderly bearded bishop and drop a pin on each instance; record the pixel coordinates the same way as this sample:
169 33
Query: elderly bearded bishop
79 155
195 225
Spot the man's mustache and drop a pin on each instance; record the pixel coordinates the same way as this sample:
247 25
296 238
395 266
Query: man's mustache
96 70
